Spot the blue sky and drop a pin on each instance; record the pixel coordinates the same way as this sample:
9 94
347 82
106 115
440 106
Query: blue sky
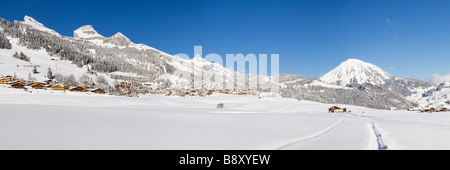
407 38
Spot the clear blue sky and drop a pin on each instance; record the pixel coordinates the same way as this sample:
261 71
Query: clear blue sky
407 38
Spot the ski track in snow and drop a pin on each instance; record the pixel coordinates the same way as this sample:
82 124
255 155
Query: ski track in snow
380 142
287 145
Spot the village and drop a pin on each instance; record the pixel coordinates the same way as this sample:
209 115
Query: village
136 88
336 109
129 89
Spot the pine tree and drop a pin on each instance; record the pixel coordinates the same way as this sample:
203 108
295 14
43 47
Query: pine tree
16 55
35 70
49 73
4 42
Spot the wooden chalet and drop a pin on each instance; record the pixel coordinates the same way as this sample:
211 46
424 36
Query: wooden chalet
78 89
336 109
19 82
58 87
31 83
431 110
17 86
5 81
98 91
38 86
444 109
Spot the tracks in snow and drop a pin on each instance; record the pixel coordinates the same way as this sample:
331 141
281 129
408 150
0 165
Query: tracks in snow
287 145
381 144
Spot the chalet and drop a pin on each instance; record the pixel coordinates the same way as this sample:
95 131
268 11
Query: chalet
78 89
17 86
66 88
38 86
98 91
4 81
58 87
32 83
336 109
431 110
444 109
19 82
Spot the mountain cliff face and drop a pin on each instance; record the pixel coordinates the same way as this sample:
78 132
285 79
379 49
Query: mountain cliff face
118 39
87 32
30 22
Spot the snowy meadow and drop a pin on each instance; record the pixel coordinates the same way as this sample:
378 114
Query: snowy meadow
68 120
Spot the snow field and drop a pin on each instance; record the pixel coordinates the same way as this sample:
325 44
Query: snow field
45 120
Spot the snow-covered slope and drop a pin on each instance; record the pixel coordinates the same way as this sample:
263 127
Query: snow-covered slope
89 49
354 71
41 60
437 97
69 120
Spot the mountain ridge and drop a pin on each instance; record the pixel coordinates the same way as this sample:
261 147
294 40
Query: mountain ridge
352 82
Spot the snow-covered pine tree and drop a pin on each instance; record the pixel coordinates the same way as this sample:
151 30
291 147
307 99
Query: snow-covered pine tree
35 71
4 42
49 73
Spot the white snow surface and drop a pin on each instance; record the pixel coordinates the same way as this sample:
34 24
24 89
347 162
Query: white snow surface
356 71
65 120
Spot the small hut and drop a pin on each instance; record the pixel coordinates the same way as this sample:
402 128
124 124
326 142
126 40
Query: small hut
336 109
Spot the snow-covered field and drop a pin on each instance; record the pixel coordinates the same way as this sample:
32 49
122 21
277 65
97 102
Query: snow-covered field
59 120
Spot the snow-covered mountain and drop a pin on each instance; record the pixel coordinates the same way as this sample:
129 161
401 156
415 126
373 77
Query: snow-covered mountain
119 39
87 32
353 82
359 83
354 71
32 23
89 50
